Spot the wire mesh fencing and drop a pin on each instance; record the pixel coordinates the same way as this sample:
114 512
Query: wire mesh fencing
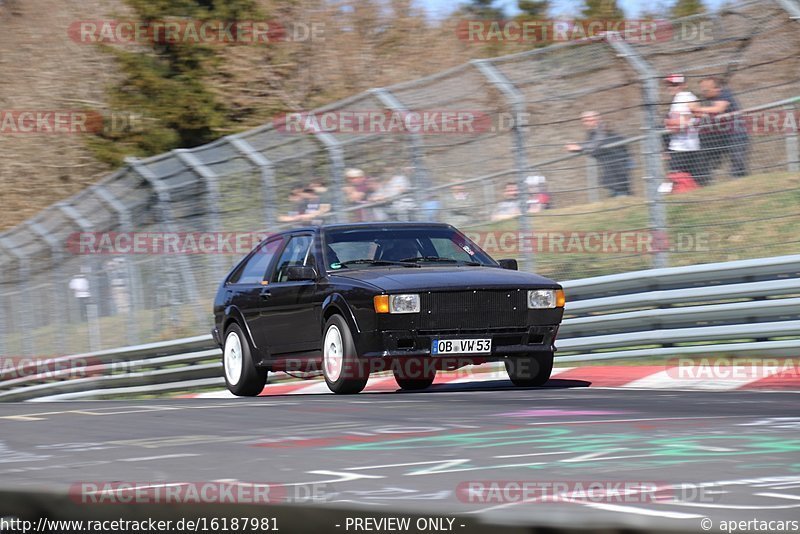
577 159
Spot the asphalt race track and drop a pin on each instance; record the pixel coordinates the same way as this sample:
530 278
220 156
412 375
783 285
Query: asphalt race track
720 455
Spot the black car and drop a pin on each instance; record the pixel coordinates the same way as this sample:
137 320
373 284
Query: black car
359 298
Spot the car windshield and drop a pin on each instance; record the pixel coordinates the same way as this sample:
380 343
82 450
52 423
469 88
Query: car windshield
406 246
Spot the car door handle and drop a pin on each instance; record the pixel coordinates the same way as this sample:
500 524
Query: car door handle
265 294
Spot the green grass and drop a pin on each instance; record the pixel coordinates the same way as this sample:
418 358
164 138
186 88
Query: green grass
751 217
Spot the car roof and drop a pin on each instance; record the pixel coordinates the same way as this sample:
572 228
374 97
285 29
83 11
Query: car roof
365 225
378 225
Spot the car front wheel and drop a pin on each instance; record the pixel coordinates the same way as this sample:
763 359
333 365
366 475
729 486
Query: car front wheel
413 374
344 372
242 376
531 370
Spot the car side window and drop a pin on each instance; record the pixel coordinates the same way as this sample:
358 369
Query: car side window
255 269
297 252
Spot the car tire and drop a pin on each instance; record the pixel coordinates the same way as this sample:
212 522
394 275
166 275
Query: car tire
242 377
414 381
530 370
344 372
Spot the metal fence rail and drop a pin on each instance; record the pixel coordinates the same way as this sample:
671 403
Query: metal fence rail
624 316
56 298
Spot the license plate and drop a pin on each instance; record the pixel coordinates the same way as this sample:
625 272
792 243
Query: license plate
461 346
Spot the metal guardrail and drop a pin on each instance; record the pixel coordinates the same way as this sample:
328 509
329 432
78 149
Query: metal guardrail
741 307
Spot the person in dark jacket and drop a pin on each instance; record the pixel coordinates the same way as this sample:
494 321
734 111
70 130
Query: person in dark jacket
722 136
613 163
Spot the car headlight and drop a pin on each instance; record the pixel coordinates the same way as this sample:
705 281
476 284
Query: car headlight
397 303
542 299
403 303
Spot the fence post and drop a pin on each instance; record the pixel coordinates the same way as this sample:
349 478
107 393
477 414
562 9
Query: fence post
124 218
181 267
591 180
212 191
267 177
59 303
336 155
792 147
652 145
516 102
422 183
791 7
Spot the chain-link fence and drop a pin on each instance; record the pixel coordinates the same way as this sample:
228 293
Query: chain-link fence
570 158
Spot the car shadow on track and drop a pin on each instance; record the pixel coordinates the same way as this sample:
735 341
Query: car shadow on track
488 385
494 385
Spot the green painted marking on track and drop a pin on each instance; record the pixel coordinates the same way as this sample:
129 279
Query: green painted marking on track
677 449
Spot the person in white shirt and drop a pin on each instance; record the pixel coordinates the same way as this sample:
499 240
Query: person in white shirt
509 207
684 140
79 285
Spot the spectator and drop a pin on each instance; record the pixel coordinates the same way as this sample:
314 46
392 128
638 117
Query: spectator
614 163
397 189
358 190
296 200
316 205
357 179
538 197
459 207
721 137
354 198
508 208
79 285
684 142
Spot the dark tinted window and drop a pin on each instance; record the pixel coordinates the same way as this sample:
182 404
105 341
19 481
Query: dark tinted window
297 252
401 243
255 269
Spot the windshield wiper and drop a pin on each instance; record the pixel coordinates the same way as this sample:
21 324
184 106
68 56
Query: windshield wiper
377 262
437 259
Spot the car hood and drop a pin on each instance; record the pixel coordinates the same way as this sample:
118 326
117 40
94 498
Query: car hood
444 278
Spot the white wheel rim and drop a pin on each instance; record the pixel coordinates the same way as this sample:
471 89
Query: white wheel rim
333 353
233 358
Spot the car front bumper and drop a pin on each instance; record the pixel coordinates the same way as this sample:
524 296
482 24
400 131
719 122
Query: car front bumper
410 343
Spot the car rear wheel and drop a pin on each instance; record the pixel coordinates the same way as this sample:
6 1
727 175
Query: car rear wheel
414 375
242 376
344 372
531 370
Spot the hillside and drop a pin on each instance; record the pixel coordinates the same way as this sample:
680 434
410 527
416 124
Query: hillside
43 69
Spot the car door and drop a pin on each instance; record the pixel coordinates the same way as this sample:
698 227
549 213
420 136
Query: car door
293 323
248 285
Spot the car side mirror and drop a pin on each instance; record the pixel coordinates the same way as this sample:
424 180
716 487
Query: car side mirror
300 273
510 264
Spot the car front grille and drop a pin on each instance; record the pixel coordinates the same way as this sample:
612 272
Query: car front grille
473 309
